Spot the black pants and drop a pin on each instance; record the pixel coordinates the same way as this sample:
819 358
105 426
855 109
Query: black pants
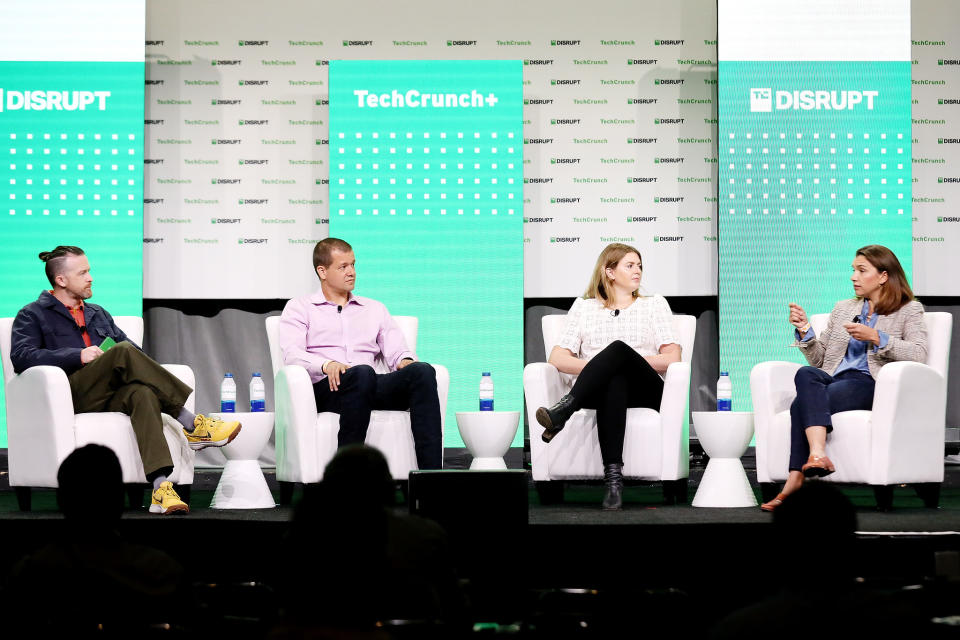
616 378
362 390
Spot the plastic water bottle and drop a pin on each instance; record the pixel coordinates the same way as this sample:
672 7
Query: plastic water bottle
228 394
257 394
724 392
486 392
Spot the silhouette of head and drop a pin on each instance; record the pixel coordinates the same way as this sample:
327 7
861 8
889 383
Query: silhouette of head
90 487
360 474
816 525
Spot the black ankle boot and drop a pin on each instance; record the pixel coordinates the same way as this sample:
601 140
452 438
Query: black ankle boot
613 481
553 419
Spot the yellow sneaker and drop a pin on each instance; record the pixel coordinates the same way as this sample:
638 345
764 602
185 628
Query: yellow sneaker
166 501
210 432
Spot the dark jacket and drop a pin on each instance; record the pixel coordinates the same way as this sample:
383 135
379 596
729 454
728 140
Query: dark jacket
44 332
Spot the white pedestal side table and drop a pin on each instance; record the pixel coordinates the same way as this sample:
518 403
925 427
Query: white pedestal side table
242 485
488 435
725 436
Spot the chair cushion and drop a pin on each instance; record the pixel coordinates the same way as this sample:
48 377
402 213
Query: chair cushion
848 446
579 456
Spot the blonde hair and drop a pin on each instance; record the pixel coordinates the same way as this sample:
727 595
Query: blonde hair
609 258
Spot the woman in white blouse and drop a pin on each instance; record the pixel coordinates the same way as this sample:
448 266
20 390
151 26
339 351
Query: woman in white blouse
618 344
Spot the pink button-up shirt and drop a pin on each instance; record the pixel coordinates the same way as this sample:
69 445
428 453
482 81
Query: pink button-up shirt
313 332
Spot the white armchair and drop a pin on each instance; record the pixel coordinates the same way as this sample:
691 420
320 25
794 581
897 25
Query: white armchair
656 444
900 441
42 428
307 440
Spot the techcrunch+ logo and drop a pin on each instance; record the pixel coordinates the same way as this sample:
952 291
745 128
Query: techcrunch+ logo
42 100
414 99
764 100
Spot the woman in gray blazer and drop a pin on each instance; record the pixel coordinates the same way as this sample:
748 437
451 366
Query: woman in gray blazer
882 324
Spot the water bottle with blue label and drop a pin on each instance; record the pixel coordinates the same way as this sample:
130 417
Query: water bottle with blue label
724 392
228 394
258 394
486 392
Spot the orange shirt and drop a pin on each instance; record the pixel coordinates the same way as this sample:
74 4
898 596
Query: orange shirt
77 313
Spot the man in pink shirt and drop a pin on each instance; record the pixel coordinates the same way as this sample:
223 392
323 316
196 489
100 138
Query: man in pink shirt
337 336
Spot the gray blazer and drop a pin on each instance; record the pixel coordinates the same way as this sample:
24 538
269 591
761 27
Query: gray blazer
906 328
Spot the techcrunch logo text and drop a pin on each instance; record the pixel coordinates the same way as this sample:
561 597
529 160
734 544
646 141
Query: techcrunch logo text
414 99
764 100
40 100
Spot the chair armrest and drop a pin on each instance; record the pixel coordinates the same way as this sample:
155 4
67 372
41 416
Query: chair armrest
675 422
185 374
542 387
772 389
908 424
40 425
443 392
295 422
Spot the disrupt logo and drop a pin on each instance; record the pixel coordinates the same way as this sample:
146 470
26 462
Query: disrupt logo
152 122
641 140
668 199
42 100
538 101
668 120
152 240
537 180
668 81
948 101
565 121
641 179
537 220
461 43
154 43
224 220
254 43
642 101
225 141
764 100
667 43
641 218
225 63
153 83
538 141
258 162
251 241
254 83
564 200
668 161
153 201
414 99
539 62
224 180
564 82
948 219
565 239
668 238
357 43
641 61
221 101
948 180
564 160
153 161
253 201
253 122
564 43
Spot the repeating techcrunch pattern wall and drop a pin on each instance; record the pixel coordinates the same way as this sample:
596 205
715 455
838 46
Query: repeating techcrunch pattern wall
619 134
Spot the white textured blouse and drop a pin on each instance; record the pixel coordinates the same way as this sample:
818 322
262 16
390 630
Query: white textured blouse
645 326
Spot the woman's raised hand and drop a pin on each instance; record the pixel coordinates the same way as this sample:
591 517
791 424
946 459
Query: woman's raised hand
798 317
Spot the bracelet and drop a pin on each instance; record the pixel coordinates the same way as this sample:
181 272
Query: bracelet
802 330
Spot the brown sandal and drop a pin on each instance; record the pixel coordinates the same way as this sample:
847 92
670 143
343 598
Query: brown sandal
773 504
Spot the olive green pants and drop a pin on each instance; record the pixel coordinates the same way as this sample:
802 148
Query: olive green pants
127 380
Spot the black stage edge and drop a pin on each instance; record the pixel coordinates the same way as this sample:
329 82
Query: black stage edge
717 559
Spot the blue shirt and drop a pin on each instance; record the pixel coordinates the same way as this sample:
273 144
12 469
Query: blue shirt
856 356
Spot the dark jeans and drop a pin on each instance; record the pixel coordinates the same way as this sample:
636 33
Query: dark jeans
127 380
362 390
818 395
616 378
